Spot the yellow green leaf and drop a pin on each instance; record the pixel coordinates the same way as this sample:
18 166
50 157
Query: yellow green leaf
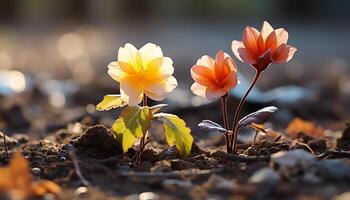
132 123
176 132
127 140
110 101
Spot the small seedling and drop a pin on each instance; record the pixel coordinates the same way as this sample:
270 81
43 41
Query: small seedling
214 78
144 74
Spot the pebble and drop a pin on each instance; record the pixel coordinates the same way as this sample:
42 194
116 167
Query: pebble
265 176
292 164
335 170
175 184
81 191
344 196
36 171
219 183
148 196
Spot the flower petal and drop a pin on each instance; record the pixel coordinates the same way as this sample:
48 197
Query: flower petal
115 71
206 61
250 38
212 93
276 38
129 54
235 45
158 90
150 52
230 81
199 90
131 91
283 53
266 30
202 75
170 84
282 36
247 56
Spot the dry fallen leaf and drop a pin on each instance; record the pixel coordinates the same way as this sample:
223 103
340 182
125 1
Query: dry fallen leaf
298 125
16 180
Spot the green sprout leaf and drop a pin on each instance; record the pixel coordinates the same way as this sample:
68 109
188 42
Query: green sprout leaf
110 101
176 132
132 123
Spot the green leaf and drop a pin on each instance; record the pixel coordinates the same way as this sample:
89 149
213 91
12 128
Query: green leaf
132 123
110 101
156 108
127 139
176 132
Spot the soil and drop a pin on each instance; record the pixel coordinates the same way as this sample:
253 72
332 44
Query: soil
74 147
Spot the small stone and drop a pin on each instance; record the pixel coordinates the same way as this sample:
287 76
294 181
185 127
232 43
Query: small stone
175 185
161 166
10 141
148 196
170 153
266 180
265 176
318 145
36 171
310 177
149 155
81 191
335 170
21 138
291 164
344 141
49 197
344 196
219 184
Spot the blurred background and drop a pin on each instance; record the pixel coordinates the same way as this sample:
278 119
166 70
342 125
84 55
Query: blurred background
54 55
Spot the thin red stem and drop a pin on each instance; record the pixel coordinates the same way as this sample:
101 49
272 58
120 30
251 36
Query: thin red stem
143 138
238 112
225 120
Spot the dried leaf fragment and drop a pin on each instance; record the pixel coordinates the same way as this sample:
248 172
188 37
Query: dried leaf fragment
16 180
298 125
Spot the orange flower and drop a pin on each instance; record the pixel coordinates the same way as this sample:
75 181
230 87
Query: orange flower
214 78
259 49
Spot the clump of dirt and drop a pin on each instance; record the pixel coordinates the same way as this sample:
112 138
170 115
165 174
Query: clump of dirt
344 142
267 147
97 142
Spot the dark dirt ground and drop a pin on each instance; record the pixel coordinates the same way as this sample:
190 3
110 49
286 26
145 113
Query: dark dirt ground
208 173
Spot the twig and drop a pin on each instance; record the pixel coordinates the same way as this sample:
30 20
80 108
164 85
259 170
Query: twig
340 154
5 145
74 159
174 173
305 145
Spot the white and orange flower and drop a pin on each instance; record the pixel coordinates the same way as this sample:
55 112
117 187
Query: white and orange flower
214 78
142 72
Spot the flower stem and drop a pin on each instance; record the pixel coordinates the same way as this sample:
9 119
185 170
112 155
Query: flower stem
225 119
143 138
238 112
